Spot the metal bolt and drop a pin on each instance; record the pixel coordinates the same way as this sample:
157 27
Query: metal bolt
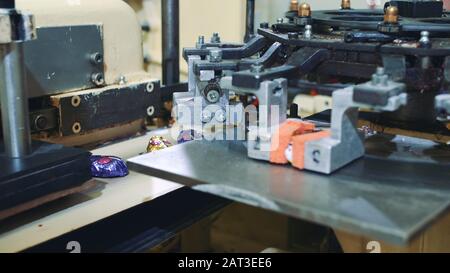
206 116
379 76
98 79
391 15
215 39
76 128
150 111
122 80
380 71
200 41
293 5
76 100
215 55
304 10
40 122
346 4
308 32
220 116
425 39
150 87
97 58
213 96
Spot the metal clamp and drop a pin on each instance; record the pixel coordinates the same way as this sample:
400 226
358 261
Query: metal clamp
272 98
346 143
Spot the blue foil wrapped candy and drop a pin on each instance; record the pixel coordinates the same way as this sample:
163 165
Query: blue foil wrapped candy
108 166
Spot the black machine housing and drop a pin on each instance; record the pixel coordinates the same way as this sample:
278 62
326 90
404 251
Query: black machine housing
345 48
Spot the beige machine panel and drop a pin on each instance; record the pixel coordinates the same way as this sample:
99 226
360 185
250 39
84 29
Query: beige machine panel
197 17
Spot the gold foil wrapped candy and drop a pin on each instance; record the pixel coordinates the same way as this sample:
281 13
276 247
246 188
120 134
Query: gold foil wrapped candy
157 143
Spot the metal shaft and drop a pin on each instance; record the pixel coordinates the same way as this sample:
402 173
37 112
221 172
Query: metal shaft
250 20
170 41
14 101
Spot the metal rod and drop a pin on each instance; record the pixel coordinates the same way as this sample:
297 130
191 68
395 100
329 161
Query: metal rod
250 20
14 101
170 41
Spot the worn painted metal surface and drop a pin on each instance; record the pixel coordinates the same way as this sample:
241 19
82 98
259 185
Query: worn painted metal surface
382 196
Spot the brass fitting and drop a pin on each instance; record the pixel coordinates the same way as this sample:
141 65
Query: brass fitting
345 4
304 10
391 15
294 5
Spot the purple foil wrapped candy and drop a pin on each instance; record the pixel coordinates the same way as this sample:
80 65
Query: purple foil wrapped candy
108 166
188 135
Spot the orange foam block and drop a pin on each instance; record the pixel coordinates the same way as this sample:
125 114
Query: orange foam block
298 146
282 137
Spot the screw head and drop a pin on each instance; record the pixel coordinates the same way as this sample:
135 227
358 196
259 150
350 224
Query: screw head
97 58
40 122
98 79
215 55
220 116
122 80
213 96
425 39
206 116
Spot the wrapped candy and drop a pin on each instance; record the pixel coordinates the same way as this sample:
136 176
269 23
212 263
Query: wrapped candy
108 166
157 143
187 135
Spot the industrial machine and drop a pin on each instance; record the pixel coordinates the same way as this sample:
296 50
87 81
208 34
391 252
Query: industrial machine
387 71
71 74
